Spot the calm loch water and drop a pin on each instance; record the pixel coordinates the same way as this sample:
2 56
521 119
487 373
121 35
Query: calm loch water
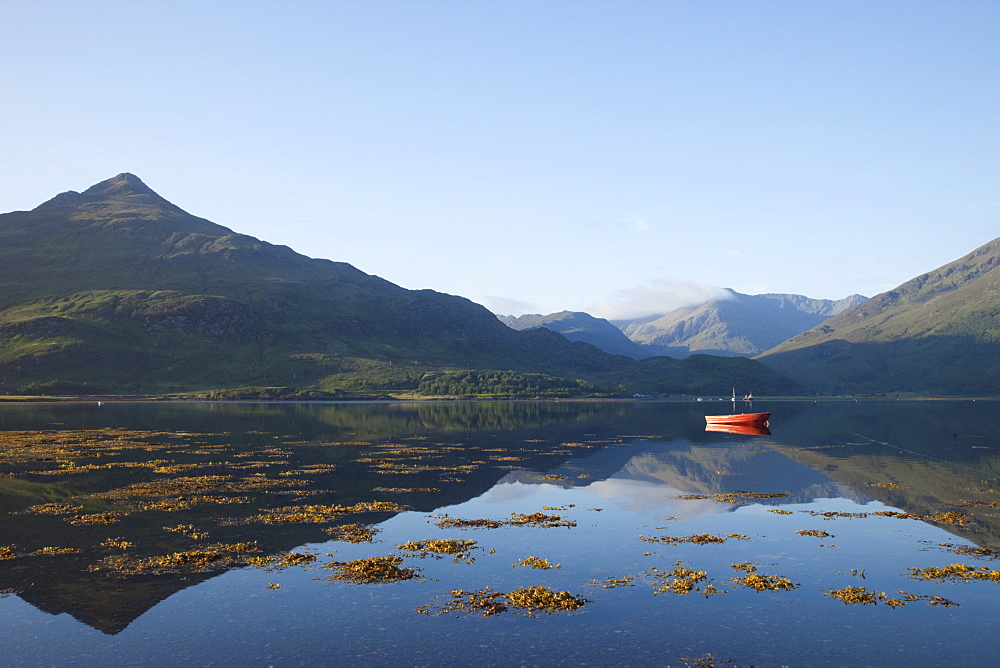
855 533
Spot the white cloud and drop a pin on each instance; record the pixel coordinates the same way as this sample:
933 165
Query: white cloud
655 297
629 223
505 306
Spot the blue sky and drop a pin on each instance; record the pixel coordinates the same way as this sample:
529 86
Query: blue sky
533 156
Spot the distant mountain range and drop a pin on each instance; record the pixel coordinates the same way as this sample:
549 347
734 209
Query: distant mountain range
579 326
117 290
936 333
738 325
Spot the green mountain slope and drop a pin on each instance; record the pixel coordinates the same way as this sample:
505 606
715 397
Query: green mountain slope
738 325
116 290
938 333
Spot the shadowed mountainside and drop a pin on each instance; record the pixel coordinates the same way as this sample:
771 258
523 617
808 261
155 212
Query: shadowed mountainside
579 326
937 334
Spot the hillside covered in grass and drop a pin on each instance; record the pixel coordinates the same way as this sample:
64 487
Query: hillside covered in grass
116 290
938 333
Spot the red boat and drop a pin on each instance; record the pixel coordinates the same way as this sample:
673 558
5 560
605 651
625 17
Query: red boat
748 419
753 419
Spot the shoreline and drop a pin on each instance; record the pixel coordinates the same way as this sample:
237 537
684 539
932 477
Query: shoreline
35 399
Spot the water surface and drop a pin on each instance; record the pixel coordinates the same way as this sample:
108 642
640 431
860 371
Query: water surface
840 495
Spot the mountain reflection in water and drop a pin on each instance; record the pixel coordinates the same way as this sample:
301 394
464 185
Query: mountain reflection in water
206 506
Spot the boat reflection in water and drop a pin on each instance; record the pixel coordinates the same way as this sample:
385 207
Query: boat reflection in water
757 429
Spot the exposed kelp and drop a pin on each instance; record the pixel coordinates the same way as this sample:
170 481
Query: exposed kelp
212 557
57 550
684 580
461 550
955 572
353 533
948 517
972 551
447 522
865 596
527 601
614 583
736 498
119 543
320 514
279 562
187 530
681 580
697 539
815 532
760 582
406 490
536 562
538 520
373 570
51 509
198 485
544 600
96 518
484 602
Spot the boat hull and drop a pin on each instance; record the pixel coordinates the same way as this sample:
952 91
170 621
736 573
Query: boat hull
741 418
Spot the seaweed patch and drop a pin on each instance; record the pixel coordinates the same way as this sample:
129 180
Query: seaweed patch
460 549
373 570
527 601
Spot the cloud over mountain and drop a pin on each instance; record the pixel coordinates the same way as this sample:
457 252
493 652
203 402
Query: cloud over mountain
655 297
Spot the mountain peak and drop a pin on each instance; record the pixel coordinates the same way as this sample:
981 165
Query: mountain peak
69 197
123 184
123 187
